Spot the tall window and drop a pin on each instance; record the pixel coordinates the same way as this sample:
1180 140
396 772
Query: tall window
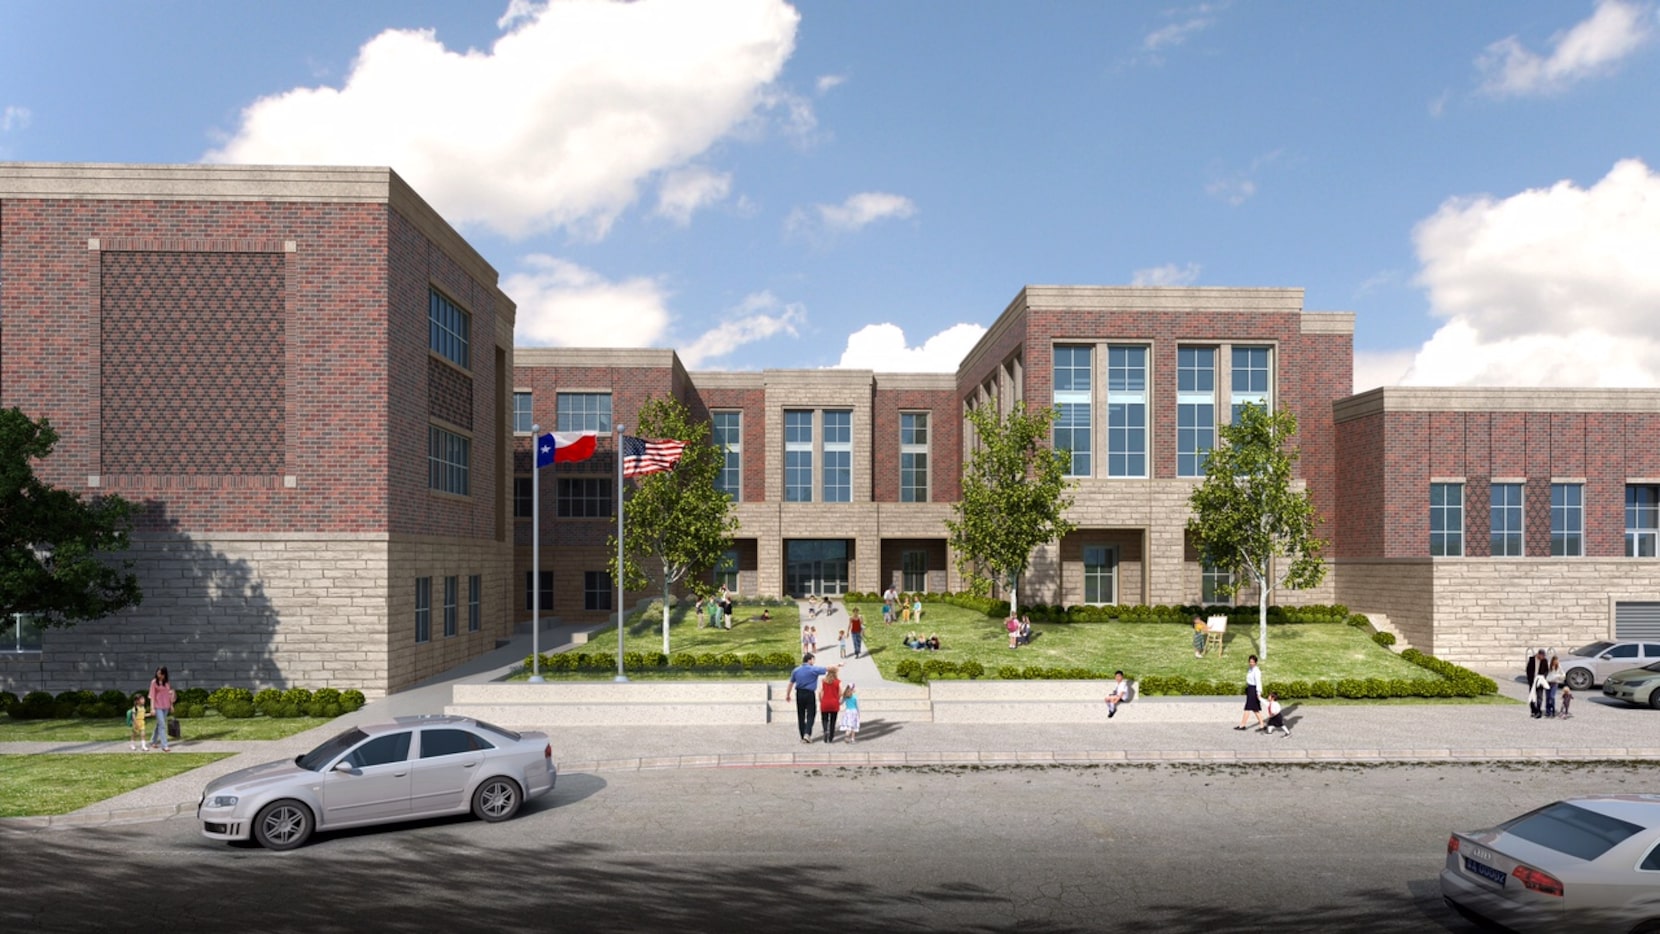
448 328
20 633
1126 411
524 500
1072 373
522 417
726 570
448 457
913 567
728 437
584 497
1567 520
1642 520
1446 519
584 411
1100 574
596 590
1507 519
913 457
1215 584
547 589
1250 378
1195 409
451 592
798 456
475 595
838 456
423 609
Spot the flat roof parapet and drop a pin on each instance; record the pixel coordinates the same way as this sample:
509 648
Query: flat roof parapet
1494 399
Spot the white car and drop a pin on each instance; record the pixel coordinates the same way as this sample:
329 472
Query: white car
1586 666
411 768
1582 865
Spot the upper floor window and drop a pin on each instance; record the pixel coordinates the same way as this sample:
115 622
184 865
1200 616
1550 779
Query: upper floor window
524 497
838 455
1073 372
584 497
1446 519
1567 520
798 456
522 418
1507 519
1126 411
1250 374
913 457
448 328
449 459
1642 520
727 428
584 411
1195 409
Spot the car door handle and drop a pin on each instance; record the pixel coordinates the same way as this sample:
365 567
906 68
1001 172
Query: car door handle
399 774
468 765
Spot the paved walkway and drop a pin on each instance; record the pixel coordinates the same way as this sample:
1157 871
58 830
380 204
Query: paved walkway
1149 730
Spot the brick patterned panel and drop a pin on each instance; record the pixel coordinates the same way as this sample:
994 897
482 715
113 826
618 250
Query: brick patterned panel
192 377
449 394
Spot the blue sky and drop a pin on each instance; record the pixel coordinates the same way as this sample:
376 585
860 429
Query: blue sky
868 184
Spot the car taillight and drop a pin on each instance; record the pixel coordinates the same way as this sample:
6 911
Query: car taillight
547 753
1452 844
1541 882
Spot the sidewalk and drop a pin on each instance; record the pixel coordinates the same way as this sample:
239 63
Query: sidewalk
1148 730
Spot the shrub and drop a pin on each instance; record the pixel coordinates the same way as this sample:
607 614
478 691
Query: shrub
683 660
218 699
35 705
8 700
325 696
187 710
192 695
282 710
780 660
299 697
1385 639
973 669
266 699
120 700
236 708
351 699
910 669
97 710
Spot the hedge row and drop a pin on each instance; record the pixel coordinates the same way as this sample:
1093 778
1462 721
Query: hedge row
657 661
1127 613
189 702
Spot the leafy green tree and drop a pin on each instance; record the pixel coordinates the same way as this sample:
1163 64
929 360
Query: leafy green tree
1013 498
55 548
676 518
1246 515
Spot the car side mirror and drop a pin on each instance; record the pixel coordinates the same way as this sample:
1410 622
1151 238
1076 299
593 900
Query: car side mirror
345 766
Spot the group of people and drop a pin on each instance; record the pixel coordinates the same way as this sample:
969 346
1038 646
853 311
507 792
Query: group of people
915 642
821 689
157 702
855 631
719 610
1546 683
1254 703
894 610
1020 630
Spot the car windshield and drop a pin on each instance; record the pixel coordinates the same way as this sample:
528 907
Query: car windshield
499 731
320 757
1595 648
1652 666
1570 829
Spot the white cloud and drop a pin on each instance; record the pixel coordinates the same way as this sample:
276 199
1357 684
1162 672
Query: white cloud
882 347
1168 274
1549 287
1374 368
686 190
858 211
556 125
1193 21
562 304
826 82
518 11
15 118
1613 31
759 317
1239 186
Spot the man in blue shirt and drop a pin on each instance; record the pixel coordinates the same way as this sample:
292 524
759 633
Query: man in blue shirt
803 682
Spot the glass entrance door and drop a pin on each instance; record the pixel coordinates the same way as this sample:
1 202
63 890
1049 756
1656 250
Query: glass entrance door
815 566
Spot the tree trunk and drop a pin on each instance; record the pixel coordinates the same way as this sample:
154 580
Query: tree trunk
1262 621
1014 594
665 614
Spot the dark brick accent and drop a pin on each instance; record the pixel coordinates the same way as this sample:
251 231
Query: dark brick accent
449 394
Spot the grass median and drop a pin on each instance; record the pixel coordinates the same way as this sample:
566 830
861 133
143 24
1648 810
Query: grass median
60 783
209 727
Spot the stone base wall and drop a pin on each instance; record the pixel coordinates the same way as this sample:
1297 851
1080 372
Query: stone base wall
1402 589
408 662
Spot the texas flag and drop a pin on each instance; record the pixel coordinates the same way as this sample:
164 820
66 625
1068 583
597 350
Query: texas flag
565 446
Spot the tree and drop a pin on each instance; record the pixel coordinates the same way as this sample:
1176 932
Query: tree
676 516
1013 498
1246 515
55 547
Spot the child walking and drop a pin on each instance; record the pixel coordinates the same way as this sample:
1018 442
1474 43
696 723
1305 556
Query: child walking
841 641
1567 698
138 739
850 712
1276 714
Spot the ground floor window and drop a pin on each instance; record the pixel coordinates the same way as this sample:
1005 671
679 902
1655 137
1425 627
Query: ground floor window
547 589
1215 584
914 571
451 593
423 609
475 589
1100 574
596 590
20 634
815 566
726 570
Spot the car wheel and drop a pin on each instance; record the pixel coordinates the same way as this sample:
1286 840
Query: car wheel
497 799
1579 679
282 825
1654 702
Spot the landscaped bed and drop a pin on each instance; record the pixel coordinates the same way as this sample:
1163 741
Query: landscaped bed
59 784
208 726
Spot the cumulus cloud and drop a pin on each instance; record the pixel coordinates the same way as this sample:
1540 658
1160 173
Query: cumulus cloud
859 211
14 118
1613 31
686 190
556 125
1549 287
1168 274
562 304
882 347
758 317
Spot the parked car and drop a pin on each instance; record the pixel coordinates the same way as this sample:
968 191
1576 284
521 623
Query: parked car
1584 865
1636 686
411 768
1585 667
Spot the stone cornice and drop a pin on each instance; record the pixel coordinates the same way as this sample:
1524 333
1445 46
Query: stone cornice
1494 399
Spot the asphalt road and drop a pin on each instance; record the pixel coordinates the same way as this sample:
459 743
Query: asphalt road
1173 848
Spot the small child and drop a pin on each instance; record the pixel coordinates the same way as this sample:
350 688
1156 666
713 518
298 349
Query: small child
138 739
850 712
1276 714
1567 698
812 639
841 641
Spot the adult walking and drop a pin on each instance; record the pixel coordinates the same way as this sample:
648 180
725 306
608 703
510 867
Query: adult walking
830 702
803 681
1536 666
856 629
1253 695
161 703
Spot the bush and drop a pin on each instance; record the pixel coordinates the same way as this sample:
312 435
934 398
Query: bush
282 710
35 705
351 699
187 710
117 699
97 710
218 699
8 700
191 695
682 660
299 697
326 696
1385 639
236 707
266 699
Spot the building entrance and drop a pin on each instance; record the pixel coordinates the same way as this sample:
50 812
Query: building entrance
815 566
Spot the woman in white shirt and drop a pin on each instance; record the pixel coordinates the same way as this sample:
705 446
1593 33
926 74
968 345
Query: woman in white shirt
1253 695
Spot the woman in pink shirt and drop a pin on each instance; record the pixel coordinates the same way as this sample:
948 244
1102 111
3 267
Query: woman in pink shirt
161 701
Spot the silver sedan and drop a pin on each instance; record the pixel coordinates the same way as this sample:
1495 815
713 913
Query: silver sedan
411 768
1582 864
1586 666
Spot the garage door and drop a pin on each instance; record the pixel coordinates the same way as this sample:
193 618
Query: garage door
1637 620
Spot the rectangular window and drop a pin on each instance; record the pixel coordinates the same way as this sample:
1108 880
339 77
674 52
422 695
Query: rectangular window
1215 584
727 428
913 566
1507 520
726 570
1446 519
448 330
798 456
1126 411
451 592
1642 520
523 497
20 634
1073 375
596 590
547 590
522 417
448 458
423 609
1100 574
1250 378
838 456
475 593
584 411
1567 520
584 497
913 457
1195 409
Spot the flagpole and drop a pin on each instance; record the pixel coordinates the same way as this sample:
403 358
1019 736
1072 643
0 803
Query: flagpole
620 575
535 555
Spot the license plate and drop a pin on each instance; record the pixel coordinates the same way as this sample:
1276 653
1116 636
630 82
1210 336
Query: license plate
1485 871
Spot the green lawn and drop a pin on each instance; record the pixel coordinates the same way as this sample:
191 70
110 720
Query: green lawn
58 784
208 727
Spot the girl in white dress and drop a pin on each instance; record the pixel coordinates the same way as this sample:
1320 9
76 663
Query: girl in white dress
850 712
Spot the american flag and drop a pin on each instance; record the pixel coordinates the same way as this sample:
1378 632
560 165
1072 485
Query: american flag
641 457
